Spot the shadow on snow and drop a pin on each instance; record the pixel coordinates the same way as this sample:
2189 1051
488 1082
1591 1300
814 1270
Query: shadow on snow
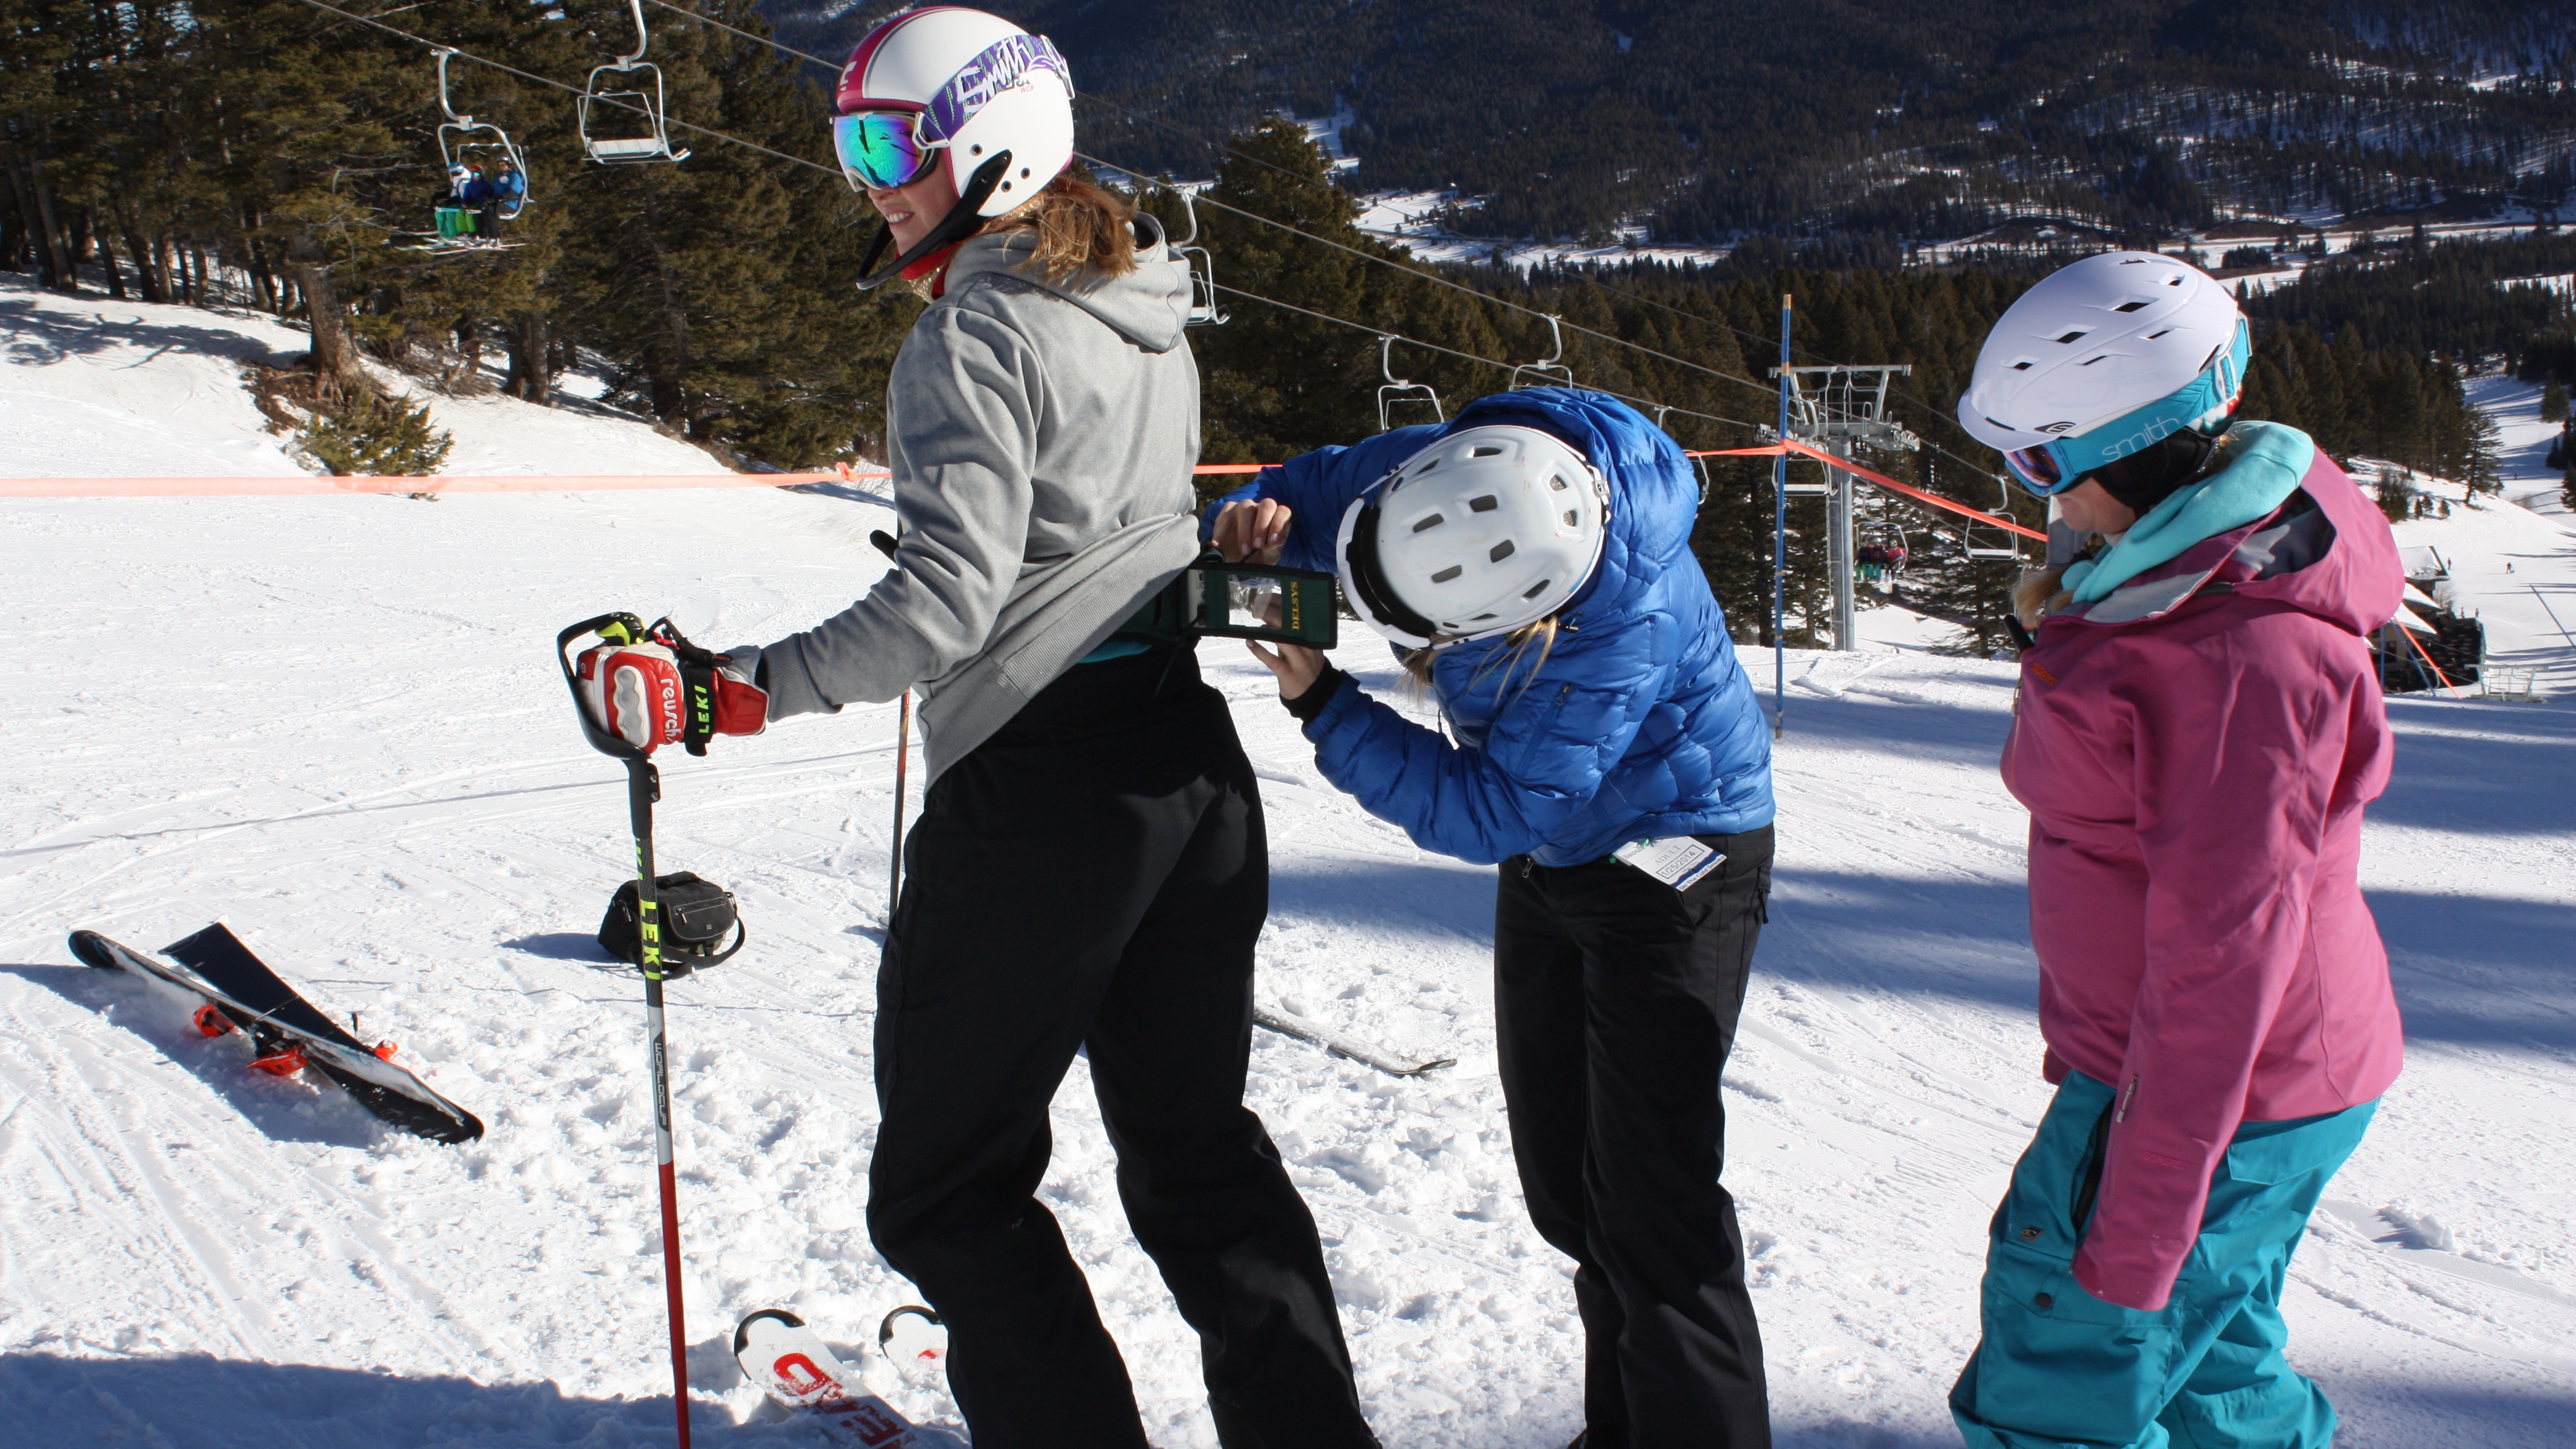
154 1019
209 1403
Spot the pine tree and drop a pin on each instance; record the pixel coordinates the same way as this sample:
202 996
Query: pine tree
2553 402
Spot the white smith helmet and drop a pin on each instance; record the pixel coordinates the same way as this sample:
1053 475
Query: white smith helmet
980 85
1482 532
2103 358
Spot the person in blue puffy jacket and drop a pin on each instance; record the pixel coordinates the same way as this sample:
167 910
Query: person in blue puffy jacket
1531 562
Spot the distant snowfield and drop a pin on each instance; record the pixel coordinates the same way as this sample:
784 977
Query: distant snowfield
333 723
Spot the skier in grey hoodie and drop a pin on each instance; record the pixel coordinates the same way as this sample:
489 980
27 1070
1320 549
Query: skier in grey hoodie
1089 871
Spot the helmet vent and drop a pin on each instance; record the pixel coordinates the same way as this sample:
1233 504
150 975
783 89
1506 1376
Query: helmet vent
1480 618
1485 450
2096 357
1434 521
2023 366
1536 589
2129 307
2152 336
1499 552
2075 336
1485 502
1557 482
1573 519
1445 575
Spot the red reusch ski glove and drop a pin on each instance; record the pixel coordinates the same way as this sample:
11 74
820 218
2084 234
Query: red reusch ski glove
665 690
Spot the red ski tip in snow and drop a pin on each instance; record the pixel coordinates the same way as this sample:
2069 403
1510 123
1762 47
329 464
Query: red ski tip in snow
385 1050
281 1064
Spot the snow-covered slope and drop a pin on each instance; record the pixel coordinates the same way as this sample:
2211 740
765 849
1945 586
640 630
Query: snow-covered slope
333 723
97 388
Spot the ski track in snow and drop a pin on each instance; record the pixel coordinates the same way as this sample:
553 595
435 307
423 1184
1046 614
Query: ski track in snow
332 723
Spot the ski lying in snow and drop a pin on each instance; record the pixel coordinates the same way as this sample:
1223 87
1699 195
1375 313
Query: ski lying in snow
779 1353
287 1033
1358 1051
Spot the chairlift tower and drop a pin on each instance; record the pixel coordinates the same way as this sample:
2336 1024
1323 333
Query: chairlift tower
1833 408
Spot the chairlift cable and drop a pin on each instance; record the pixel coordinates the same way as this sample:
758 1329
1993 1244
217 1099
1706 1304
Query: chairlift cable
1435 277
784 49
1374 331
463 54
1812 356
1377 331
1229 150
1389 262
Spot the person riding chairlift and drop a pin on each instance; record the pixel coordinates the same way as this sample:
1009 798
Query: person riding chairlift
451 209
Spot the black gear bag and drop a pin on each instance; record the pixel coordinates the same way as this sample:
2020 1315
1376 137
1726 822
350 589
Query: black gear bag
696 914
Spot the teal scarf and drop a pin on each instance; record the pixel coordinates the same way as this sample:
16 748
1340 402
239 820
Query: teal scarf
2261 465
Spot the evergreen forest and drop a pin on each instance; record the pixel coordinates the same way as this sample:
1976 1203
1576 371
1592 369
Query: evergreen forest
1703 120
283 155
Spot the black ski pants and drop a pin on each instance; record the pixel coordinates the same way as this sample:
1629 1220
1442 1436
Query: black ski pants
1093 878
1616 998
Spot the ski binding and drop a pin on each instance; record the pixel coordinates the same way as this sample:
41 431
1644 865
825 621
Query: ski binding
779 1353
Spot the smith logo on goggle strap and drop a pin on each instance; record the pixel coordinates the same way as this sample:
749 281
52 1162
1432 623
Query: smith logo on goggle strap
998 68
1240 601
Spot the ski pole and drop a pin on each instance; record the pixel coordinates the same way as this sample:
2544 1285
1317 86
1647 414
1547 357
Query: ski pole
902 757
643 788
886 544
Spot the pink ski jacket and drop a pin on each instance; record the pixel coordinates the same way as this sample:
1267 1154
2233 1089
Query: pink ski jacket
2195 749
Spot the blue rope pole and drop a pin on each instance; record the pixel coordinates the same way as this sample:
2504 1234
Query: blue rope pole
1780 545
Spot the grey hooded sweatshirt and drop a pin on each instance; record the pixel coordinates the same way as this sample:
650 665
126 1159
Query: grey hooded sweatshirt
1041 439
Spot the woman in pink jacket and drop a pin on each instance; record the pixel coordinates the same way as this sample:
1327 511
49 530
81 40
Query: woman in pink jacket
2197 730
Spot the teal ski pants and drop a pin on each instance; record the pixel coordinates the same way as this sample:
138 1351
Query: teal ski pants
2061 1369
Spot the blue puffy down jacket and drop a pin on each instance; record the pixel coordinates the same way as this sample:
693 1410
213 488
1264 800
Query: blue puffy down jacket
1638 724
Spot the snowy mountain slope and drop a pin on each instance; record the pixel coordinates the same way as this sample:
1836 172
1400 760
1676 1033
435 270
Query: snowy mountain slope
332 723
2506 559
98 388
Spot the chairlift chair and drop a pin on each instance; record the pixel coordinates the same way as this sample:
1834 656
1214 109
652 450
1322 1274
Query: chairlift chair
1550 368
1397 390
1823 487
1204 311
1886 539
1661 409
461 137
2010 548
635 89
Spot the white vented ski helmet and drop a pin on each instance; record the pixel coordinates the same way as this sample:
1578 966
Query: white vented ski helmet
2105 357
1482 532
981 86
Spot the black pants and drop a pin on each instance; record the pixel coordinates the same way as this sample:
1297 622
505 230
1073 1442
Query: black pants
1094 877
1616 998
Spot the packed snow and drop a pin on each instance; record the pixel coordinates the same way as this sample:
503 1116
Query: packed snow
333 723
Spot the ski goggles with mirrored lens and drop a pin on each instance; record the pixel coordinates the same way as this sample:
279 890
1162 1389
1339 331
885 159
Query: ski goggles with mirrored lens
883 150
2206 402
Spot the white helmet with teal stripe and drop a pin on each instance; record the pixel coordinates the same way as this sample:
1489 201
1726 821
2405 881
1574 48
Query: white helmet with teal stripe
2106 357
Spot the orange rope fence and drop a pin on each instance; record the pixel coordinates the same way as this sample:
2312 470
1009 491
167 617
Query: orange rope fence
2428 660
1881 479
316 485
